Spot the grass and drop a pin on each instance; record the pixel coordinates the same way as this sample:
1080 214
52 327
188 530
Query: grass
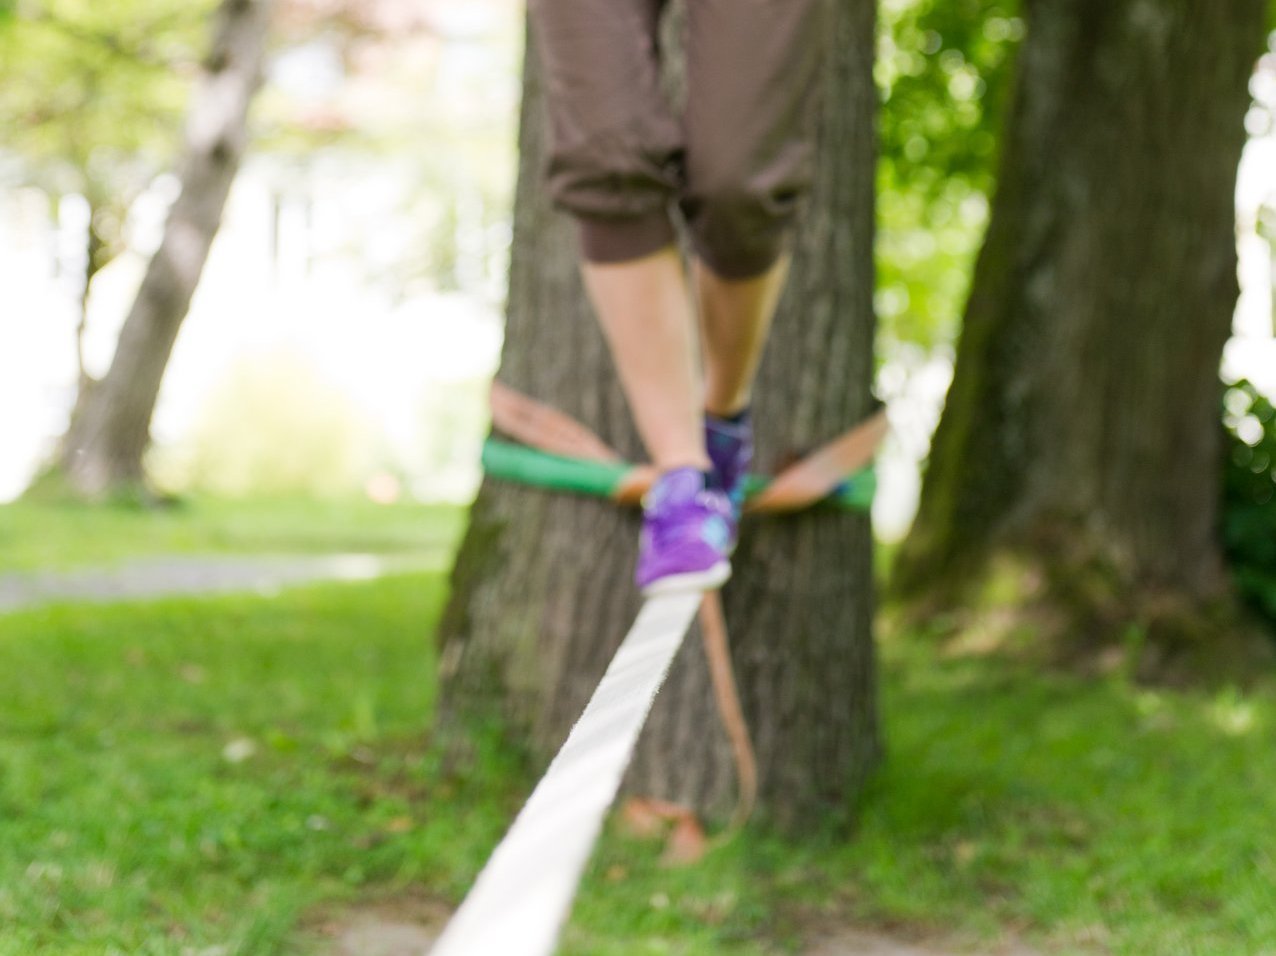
39 535
190 774
1088 812
1085 816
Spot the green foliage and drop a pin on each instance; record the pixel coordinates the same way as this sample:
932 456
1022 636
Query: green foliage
92 94
271 427
945 70
89 84
1249 488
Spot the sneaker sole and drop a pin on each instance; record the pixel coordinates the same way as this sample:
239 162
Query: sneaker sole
707 580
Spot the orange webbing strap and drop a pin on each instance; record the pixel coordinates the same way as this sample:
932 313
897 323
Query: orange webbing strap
814 477
717 648
546 428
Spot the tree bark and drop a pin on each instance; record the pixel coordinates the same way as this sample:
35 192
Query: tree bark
542 590
98 254
1080 439
109 431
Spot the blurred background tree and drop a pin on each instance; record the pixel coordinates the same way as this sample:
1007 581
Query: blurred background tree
92 96
103 135
109 430
1080 439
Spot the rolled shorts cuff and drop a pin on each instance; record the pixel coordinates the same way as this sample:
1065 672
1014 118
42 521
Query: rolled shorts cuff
612 240
739 264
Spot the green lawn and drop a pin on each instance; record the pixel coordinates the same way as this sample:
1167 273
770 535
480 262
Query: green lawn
36 535
1082 816
194 773
189 774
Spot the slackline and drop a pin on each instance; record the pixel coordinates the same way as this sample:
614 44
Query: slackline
522 897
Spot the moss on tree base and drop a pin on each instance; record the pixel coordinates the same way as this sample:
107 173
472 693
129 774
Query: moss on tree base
1077 611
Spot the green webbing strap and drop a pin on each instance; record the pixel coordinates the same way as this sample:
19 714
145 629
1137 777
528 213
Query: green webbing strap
528 466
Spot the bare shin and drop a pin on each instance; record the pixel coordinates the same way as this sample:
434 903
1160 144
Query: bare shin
735 318
644 307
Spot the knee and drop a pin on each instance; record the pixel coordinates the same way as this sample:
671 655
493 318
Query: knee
740 221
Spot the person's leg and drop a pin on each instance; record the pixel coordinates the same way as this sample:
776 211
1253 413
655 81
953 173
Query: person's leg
750 148
644 307
615 165
735 318
645 310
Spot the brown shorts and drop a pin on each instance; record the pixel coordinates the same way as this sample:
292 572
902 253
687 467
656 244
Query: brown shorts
736 162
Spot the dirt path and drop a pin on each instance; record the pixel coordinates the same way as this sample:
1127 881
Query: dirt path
373 937
200 574
862 943
409 928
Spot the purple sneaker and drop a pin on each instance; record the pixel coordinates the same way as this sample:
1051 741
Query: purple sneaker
685 532
730 447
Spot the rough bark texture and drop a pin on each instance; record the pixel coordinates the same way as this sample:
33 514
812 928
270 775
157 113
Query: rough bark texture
1081 430
542 589
102 450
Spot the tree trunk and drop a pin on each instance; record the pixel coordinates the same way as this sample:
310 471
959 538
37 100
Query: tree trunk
102 450
542 590
98 255
1080 440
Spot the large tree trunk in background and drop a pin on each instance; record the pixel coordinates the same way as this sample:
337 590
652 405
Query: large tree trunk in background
542 591
1081 435
102 450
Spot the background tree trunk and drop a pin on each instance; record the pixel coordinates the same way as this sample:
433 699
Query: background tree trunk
109 431
101 247
542 590
1081 433
95 260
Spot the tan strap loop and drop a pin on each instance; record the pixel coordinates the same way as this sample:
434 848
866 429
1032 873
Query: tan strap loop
539 426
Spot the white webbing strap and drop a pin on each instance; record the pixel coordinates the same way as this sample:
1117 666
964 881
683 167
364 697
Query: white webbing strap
521 899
